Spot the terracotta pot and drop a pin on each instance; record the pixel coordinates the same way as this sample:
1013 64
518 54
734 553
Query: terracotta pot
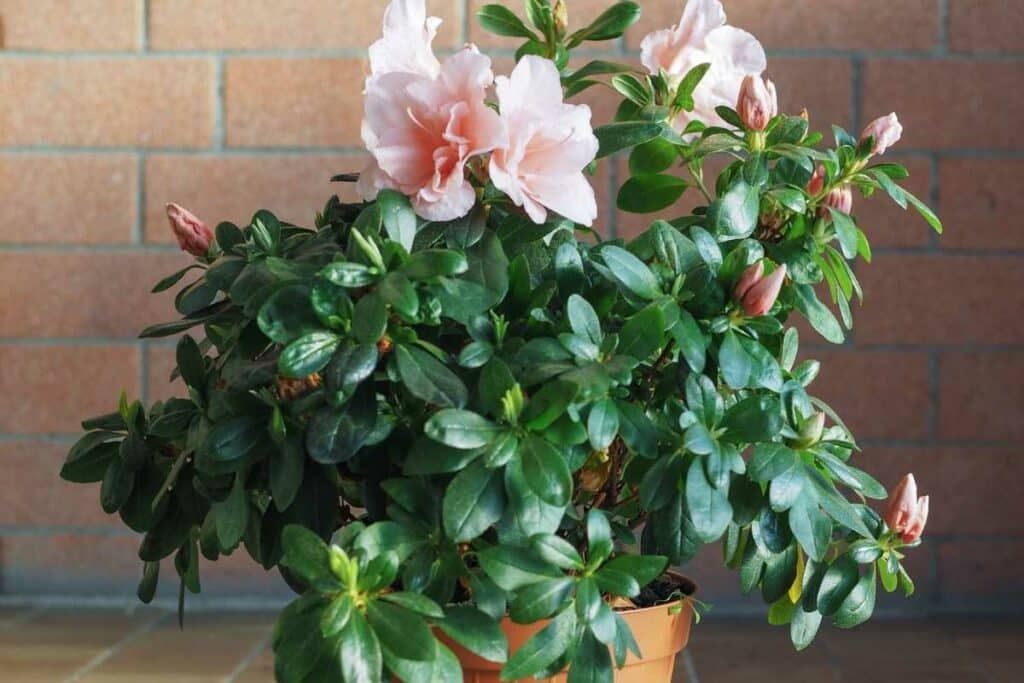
661 632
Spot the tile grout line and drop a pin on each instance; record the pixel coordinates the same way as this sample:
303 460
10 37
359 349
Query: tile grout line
250 657
116 648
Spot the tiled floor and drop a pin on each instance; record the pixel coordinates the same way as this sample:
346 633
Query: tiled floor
93 646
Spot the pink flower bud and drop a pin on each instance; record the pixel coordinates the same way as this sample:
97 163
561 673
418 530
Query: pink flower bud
194 236
761 296
917 523
758 103
885 132
904 506
817 182
751 276
840 199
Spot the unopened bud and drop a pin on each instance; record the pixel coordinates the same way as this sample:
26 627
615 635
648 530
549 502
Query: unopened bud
193 235
884 132
812 429
817 182
758 103
840 199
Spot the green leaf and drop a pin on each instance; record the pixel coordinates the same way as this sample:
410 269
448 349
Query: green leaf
643 334
514 568
397 291
615 137
557 551
359 654
474 500
543 649
351 365
610 24
734 362
540 600
820 318
546 470
803 628
350 275
232 515
461 429
734 214
644 568
583 319
812 528
369 319
602 424
305 553
429 379
235 438
431 263
599 538
475 631
710 510
335 435
926 213
632 88
650 193
684 93
846 231
287 465
754 419
859 604
148 583
398 216
652 157
88 459
308 354
839 581
400 631
769 461
287 314
266 231
502 21
631 272
191 363
592 662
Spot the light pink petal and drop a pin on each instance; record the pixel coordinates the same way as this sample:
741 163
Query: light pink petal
467 73
406 43
570 195
736 49
455 203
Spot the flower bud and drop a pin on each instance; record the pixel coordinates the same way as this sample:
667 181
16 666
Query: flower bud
759 297
812 429
917 524
817 182
561 16
758 103
840 199
750 277
885 132
193 235
907 514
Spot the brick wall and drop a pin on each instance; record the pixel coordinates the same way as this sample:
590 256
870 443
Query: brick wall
109 108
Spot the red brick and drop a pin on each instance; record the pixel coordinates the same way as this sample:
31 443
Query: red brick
821 24
941 300
981 203
974 490
98 294
99 25
982 573
822 86
34 466
886 224
95 204
986 25
106 102
878 394
53 388
233 188
294 102
980 396
969 110
246 24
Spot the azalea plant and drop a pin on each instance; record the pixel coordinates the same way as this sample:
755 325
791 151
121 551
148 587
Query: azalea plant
452 404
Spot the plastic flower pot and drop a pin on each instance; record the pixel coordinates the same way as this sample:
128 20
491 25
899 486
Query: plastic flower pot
661 631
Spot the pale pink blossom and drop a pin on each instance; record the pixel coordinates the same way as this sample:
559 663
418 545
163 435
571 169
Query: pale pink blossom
885 132
193 235
758 102
423 130
757 293
840 199
907 514
550 144
405 46
701 37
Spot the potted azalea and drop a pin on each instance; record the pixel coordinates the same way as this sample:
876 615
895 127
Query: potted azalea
472 436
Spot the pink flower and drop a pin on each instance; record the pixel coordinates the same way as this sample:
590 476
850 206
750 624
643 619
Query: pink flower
422 131
907 514
758 103
194 236
702 37
885 132
840 199
817 182
550 143
757 293
406 44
